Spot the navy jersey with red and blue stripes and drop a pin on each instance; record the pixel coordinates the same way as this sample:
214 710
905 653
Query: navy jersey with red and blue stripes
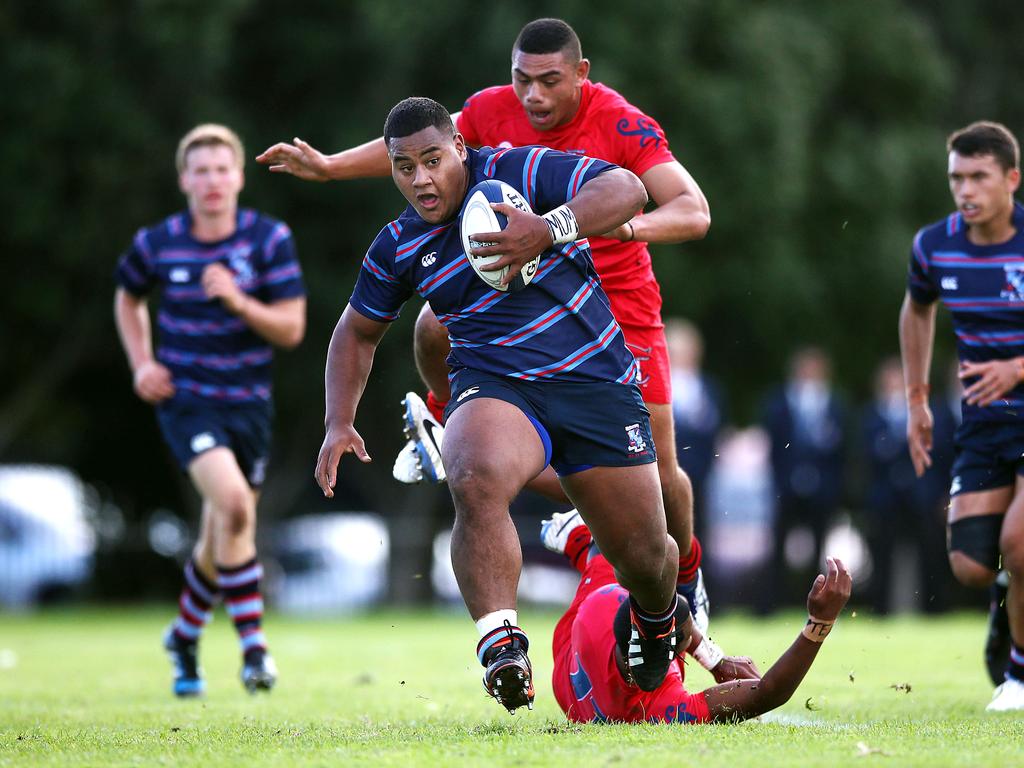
212 354
558 328
983 288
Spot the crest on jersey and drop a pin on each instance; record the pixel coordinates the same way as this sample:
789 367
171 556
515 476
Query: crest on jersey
636 443
1014 289
429 259
240 263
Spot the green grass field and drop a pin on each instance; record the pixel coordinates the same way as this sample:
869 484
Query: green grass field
91 687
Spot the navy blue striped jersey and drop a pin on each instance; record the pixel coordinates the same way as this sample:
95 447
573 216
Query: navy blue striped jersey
558 328
212 355
983 288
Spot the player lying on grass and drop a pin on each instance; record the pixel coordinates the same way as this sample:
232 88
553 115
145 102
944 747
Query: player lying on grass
594 646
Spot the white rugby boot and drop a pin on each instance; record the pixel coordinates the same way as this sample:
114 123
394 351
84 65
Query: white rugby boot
407 465
426 436
554 533
1008 697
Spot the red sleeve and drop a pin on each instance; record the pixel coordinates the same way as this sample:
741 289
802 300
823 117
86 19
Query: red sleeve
639 142
464 123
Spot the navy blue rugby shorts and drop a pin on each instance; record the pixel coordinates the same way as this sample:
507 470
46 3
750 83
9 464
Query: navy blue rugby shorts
582 425
988 454
192 427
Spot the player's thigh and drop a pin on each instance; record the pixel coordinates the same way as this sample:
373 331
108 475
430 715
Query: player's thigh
622 506
491 445
1011 540
220 481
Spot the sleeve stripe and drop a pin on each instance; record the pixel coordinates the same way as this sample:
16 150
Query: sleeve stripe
576 178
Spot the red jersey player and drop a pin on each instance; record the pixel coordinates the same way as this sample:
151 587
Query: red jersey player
552 102
590 646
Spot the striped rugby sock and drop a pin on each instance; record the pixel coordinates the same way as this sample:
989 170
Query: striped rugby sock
689 564
1015 669
652 625
195 605
244 603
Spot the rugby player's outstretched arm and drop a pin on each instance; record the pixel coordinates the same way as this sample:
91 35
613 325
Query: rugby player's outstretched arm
304 161
743 699
349 360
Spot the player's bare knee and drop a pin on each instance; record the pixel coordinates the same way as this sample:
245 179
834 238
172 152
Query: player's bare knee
235 512
970 572
641 558
476 483
1011 547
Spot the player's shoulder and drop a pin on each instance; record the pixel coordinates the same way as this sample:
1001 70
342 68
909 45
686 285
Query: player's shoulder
501 96
395 232
168 228
605 100
261 224
939 233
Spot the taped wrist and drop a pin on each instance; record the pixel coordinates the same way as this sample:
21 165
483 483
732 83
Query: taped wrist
708 654
563 226
816 630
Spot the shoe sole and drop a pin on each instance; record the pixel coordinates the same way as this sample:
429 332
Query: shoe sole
512 687
260 684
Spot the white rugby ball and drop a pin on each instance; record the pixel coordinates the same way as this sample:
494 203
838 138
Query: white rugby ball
477 216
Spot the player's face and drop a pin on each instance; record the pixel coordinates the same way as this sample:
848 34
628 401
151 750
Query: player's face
548 86
429 169
982 190
212 180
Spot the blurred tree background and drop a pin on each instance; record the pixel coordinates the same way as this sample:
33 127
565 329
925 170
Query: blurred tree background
815 129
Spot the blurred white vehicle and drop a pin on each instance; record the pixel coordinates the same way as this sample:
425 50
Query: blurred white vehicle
46 541
330 563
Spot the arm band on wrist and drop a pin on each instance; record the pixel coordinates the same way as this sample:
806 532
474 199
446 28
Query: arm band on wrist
632 235
708 654
917 394
816 630
563 226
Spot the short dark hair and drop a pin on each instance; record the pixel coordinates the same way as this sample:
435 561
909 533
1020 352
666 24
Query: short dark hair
415 114
986 138
549 36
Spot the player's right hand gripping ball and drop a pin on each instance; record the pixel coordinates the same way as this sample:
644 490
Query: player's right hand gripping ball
477 216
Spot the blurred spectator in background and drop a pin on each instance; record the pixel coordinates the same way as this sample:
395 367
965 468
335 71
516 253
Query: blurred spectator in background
696 409
901 508
804 420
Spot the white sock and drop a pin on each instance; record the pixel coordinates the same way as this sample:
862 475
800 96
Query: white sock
496 619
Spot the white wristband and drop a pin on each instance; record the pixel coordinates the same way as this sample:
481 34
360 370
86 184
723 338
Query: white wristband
708 654
816 630
563 226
